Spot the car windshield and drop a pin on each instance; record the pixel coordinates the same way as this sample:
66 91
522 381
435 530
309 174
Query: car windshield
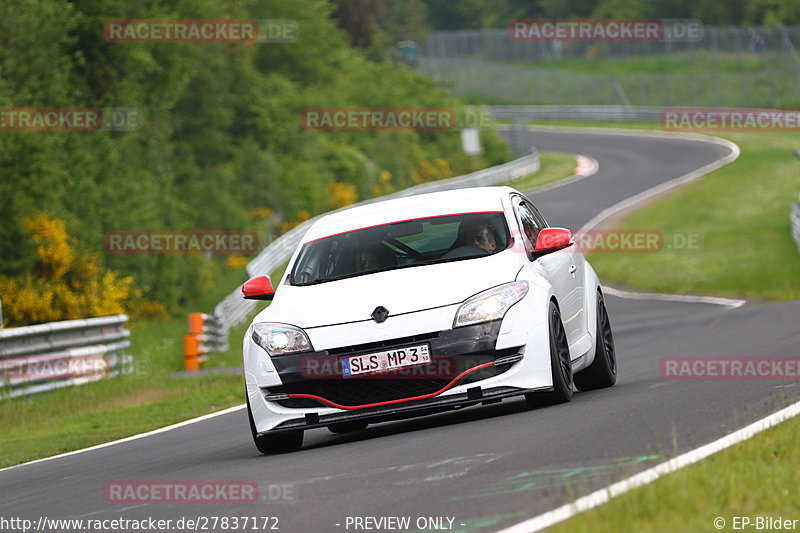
399 245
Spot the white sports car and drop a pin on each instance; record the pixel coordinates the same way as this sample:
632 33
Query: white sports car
417 305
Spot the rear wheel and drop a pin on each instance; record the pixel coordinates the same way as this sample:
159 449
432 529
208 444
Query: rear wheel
288 441
348 427
602 372
560 363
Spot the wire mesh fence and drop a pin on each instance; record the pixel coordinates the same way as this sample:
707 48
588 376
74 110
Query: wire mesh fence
724 69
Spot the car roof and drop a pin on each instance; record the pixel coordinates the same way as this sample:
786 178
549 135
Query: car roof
458 201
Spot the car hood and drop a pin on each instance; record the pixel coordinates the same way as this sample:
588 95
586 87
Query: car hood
400 291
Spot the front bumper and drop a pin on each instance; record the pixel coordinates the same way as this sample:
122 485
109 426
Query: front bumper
317 376
518 335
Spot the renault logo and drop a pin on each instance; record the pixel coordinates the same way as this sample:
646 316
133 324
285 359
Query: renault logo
380 314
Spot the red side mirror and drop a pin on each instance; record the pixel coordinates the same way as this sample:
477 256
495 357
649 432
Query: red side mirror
553 238
258 288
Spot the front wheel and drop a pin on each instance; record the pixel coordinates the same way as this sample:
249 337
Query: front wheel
288 441
602 372
560 363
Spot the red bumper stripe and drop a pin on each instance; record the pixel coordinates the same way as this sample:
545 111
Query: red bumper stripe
399 400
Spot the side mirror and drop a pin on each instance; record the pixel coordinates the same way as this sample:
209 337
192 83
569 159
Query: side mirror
258 288
552 240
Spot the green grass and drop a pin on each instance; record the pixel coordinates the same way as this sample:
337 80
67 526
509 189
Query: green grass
68 419
555 166
152 396
741 213
758 477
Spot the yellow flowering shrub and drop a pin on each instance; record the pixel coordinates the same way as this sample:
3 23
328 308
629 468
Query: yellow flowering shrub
428 171
384 185
302 216
235 262
64 284
342 194
263 213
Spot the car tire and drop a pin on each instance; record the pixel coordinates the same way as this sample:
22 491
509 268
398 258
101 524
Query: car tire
560 363
348 427
288 441
602 372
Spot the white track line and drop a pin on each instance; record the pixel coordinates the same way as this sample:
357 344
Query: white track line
654 191
689 298
602 496
132 437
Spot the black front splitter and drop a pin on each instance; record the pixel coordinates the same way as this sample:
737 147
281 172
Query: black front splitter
413 409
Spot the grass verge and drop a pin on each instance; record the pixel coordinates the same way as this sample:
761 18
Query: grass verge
740 213
555 166
757 477
152 396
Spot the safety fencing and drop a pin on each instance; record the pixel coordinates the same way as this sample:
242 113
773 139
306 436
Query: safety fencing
741 43
773 86
59 354
233 309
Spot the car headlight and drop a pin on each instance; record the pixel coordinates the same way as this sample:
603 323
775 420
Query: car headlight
280 339
491 304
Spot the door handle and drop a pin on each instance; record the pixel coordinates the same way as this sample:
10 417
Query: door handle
572 269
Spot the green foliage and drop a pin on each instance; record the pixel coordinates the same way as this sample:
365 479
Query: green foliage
221 137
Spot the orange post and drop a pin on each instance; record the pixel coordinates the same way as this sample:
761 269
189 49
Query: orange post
191 353
195 322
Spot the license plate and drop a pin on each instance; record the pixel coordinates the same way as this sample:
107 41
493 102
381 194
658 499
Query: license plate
385 361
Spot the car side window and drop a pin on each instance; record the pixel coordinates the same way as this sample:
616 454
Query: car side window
531 224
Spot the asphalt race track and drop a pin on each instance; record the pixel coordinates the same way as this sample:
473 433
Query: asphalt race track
484 467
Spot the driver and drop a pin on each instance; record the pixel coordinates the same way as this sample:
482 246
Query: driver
480 235
376 257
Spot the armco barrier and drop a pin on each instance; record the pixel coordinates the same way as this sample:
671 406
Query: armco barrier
235 310
614 113
206 334
59 354
795 218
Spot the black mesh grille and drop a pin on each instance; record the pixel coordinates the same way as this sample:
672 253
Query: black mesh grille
359 391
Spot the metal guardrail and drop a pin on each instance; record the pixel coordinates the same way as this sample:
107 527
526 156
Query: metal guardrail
235 310
59 354
526 113
795 218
